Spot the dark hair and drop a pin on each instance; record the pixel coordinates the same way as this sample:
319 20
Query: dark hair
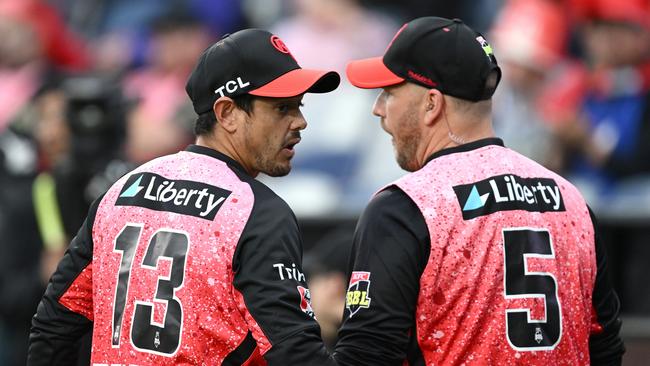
205 121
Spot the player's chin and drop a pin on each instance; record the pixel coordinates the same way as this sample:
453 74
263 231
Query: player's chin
405 162
280 169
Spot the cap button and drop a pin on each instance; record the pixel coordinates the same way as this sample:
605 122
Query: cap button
456 20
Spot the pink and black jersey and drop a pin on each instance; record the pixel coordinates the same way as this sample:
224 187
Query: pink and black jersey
482 257
188 261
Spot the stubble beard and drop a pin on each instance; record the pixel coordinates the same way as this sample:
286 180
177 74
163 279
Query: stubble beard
267 161
265 156
406 146
272 168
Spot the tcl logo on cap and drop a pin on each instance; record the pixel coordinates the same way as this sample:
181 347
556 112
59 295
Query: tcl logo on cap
232 86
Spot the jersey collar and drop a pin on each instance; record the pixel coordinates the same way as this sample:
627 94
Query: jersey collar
198 149
466 147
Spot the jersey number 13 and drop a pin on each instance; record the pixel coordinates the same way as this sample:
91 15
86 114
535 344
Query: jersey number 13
147 335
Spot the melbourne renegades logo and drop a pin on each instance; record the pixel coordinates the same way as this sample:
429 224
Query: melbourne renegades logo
358 295
279 45
305 301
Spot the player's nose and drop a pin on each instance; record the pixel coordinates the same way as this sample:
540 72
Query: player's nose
299 123
379 107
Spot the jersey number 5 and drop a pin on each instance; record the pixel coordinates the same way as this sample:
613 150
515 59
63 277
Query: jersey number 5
523 333
147 335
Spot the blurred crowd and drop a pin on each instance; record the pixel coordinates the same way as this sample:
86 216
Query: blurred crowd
89 89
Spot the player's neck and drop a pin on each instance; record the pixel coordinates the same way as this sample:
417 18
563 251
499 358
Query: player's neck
444 136
226 148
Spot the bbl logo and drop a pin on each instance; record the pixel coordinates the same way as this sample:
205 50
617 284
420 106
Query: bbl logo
305 301
358 295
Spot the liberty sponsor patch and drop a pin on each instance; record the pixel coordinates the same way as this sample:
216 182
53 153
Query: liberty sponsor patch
305 301
185 197
358 295
509 192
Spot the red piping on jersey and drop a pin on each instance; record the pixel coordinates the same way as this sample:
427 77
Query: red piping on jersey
596 327
78 298
255 359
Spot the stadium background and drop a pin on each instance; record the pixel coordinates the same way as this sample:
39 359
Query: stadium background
89 89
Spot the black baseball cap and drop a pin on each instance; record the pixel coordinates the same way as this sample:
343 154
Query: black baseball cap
256 62
437 53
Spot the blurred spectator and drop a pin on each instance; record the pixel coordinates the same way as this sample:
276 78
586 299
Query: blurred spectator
32 39
330 33
51 131
20 66
20 279
117 28
331 165
479 13
220 16
409 9
605 130
602 118
95 18
59 46
58 155
120 30
530 37
21 283
156 125
36 139
94 111
51 134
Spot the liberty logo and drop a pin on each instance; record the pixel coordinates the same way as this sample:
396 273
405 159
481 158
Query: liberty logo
508 192
475 200
185 197
134 189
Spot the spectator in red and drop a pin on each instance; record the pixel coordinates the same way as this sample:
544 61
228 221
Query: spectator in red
602 118
530 37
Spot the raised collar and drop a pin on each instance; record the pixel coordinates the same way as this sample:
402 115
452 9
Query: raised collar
198 149
466 147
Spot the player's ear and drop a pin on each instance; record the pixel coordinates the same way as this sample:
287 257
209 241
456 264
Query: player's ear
433 106
227 114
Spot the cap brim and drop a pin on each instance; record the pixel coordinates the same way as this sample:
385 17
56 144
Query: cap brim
299 81
371 73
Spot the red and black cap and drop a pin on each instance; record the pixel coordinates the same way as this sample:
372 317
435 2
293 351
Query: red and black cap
439 53
256 62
